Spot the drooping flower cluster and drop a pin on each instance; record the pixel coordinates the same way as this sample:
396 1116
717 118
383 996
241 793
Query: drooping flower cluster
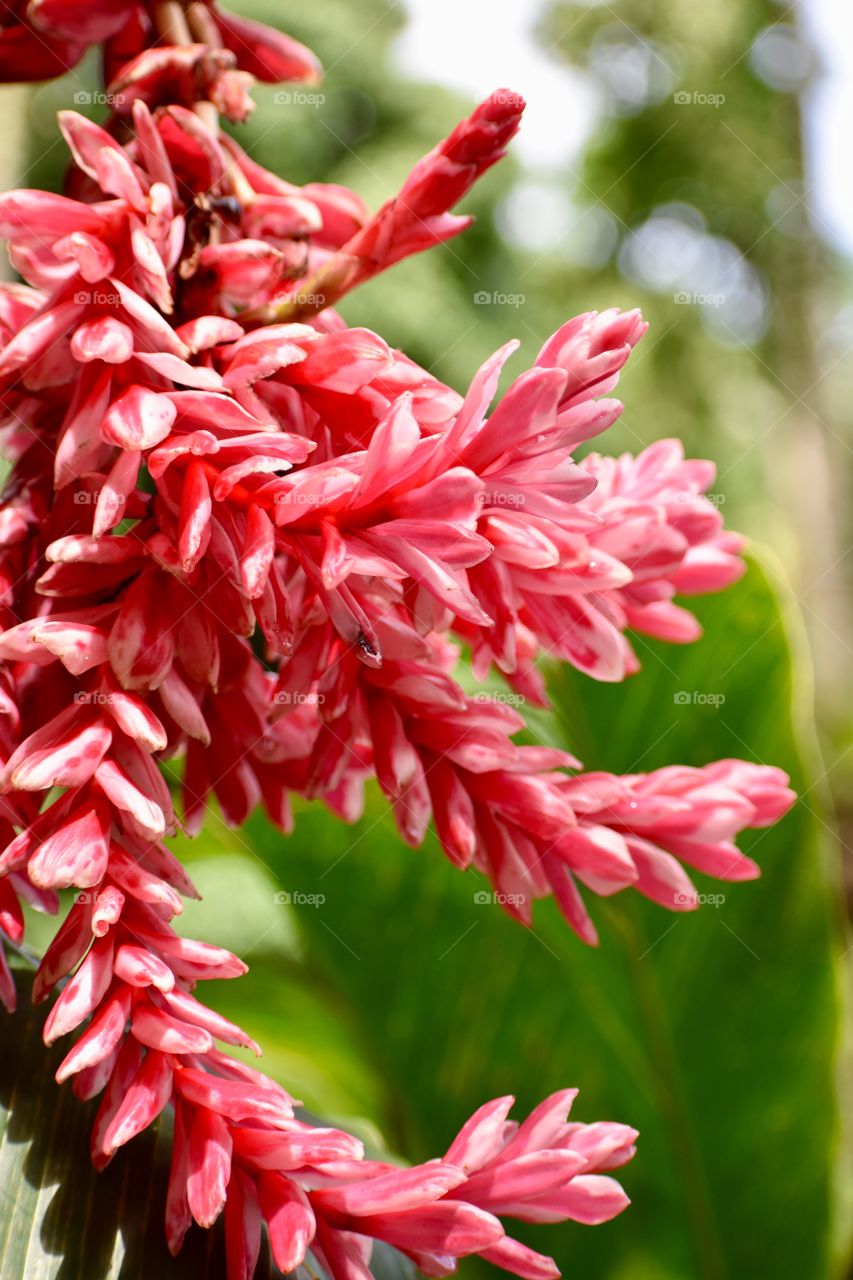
240 533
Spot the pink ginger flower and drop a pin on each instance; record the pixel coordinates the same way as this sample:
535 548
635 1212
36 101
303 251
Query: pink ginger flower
131 687
570 577
657 821
246 544
45 38
509 810
238 1145
417 218
127 241
244 521
519 1170
659 523
144 1040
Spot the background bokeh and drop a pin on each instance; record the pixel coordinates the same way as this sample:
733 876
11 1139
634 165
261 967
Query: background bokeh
676 160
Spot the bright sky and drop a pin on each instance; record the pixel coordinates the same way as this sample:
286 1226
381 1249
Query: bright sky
479 45
829 116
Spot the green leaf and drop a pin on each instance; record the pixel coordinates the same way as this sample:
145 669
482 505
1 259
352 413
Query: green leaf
311 1041
714 1033
59 1219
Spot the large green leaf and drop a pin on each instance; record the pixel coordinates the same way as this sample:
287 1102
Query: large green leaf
715 1033
59 1220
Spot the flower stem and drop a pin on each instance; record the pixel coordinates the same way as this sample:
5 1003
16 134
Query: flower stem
171 23
193 24
201 25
